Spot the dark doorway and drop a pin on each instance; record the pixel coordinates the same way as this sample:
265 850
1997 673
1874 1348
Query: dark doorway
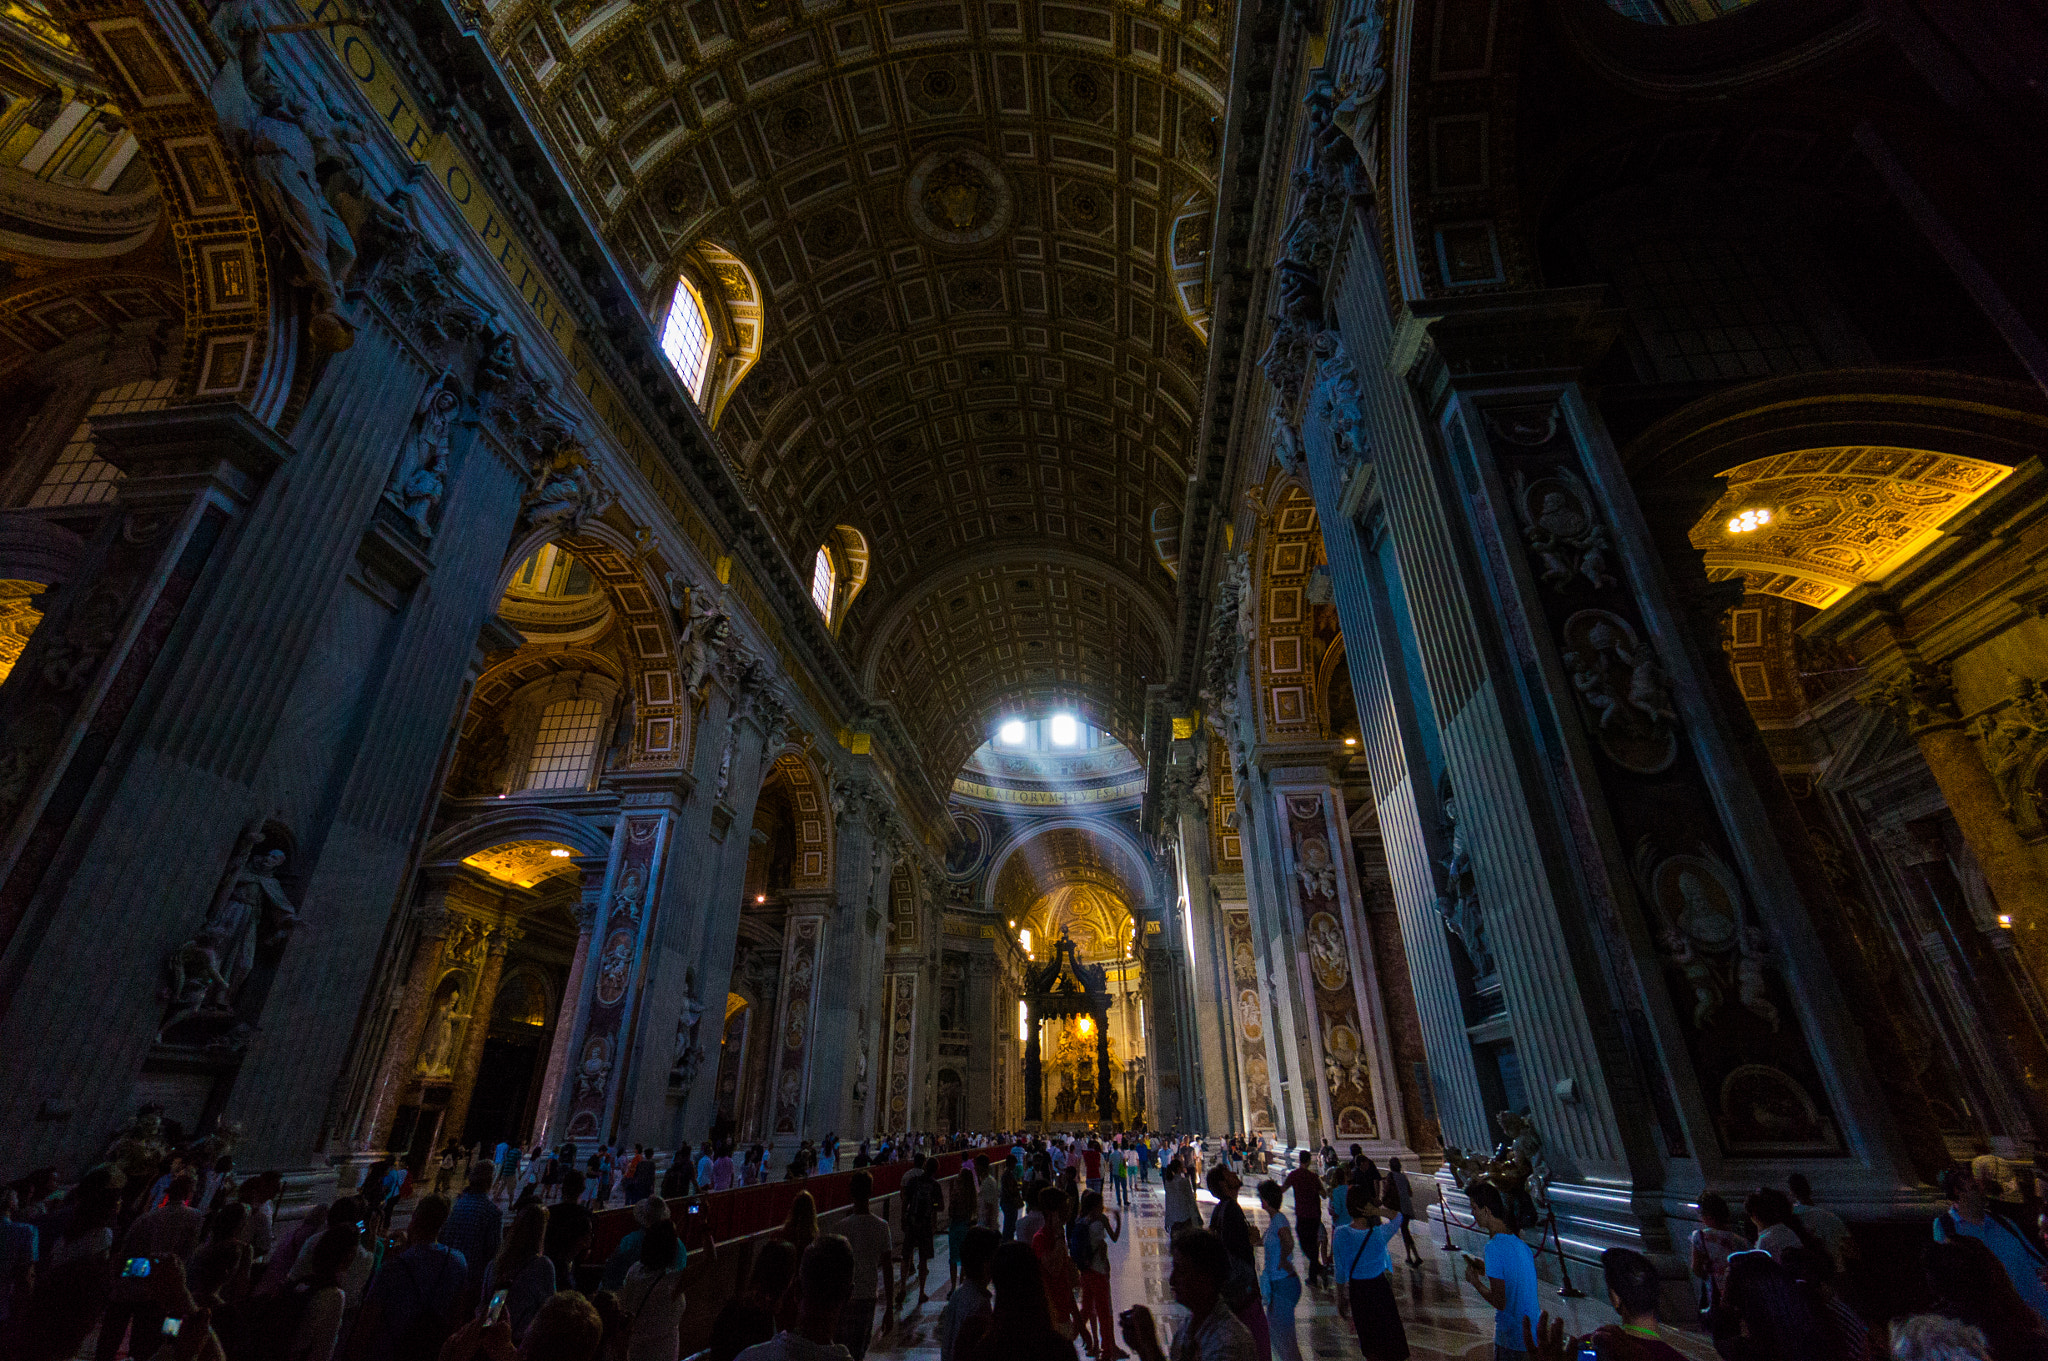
500 1097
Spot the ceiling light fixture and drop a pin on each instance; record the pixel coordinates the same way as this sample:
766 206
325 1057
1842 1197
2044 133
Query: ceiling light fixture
1350 741
760 897
1749 521
559 853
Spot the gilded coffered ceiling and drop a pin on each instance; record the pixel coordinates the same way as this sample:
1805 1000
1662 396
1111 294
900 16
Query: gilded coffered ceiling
1837 517
1057 858
981 231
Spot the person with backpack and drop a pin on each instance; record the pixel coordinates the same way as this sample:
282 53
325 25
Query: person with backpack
1969 1216
1365 1293
652 1296
416 1302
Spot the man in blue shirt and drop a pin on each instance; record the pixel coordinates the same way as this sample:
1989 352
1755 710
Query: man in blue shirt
420 1295
1506 1277
475 1226
1968 1216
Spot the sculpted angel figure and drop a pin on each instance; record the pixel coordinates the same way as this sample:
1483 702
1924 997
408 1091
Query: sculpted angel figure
565 492
1699 976
1589 678
1750 985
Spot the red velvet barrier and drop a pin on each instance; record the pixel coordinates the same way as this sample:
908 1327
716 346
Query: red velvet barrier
747 1210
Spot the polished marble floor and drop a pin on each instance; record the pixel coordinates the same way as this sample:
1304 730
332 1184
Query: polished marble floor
1445 1320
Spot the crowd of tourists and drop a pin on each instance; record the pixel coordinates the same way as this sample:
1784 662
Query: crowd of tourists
170 1255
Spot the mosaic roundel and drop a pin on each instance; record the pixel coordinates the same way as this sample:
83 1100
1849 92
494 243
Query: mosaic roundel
970 852
958 197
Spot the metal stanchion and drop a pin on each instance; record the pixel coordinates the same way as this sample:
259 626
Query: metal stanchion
1564 1271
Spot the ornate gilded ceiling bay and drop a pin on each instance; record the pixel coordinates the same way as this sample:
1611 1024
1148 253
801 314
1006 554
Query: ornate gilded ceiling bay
1061 858
982 234
1839 517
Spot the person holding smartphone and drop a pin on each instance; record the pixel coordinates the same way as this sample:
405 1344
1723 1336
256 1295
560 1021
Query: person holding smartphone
1506 1277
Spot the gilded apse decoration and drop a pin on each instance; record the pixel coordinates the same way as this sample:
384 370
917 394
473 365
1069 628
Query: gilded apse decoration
1840 517
525 863
18 619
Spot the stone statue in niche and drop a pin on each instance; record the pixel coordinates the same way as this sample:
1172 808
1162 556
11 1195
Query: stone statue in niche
1458 904
249 908
1623 689
1340 399
689 1055
860 1068
565 491
1286 444
1361 82
1696 902
270 131
732 737
702 629
1569 545
437 1046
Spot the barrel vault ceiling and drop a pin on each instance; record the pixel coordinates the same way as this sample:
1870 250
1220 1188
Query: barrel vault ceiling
981 229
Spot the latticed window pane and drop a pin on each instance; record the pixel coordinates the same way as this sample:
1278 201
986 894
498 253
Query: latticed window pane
80 477
564 744
821 583
686 338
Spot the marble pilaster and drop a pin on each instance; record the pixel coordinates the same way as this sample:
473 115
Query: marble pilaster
480 1004
403 1039
574 993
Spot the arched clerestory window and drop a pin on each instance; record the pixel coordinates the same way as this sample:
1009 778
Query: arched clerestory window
686 337
838 572
824 577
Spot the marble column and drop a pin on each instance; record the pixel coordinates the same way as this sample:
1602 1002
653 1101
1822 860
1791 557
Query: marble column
574 993
434 922
1999 1024
1034 1070
486 997
1925 701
